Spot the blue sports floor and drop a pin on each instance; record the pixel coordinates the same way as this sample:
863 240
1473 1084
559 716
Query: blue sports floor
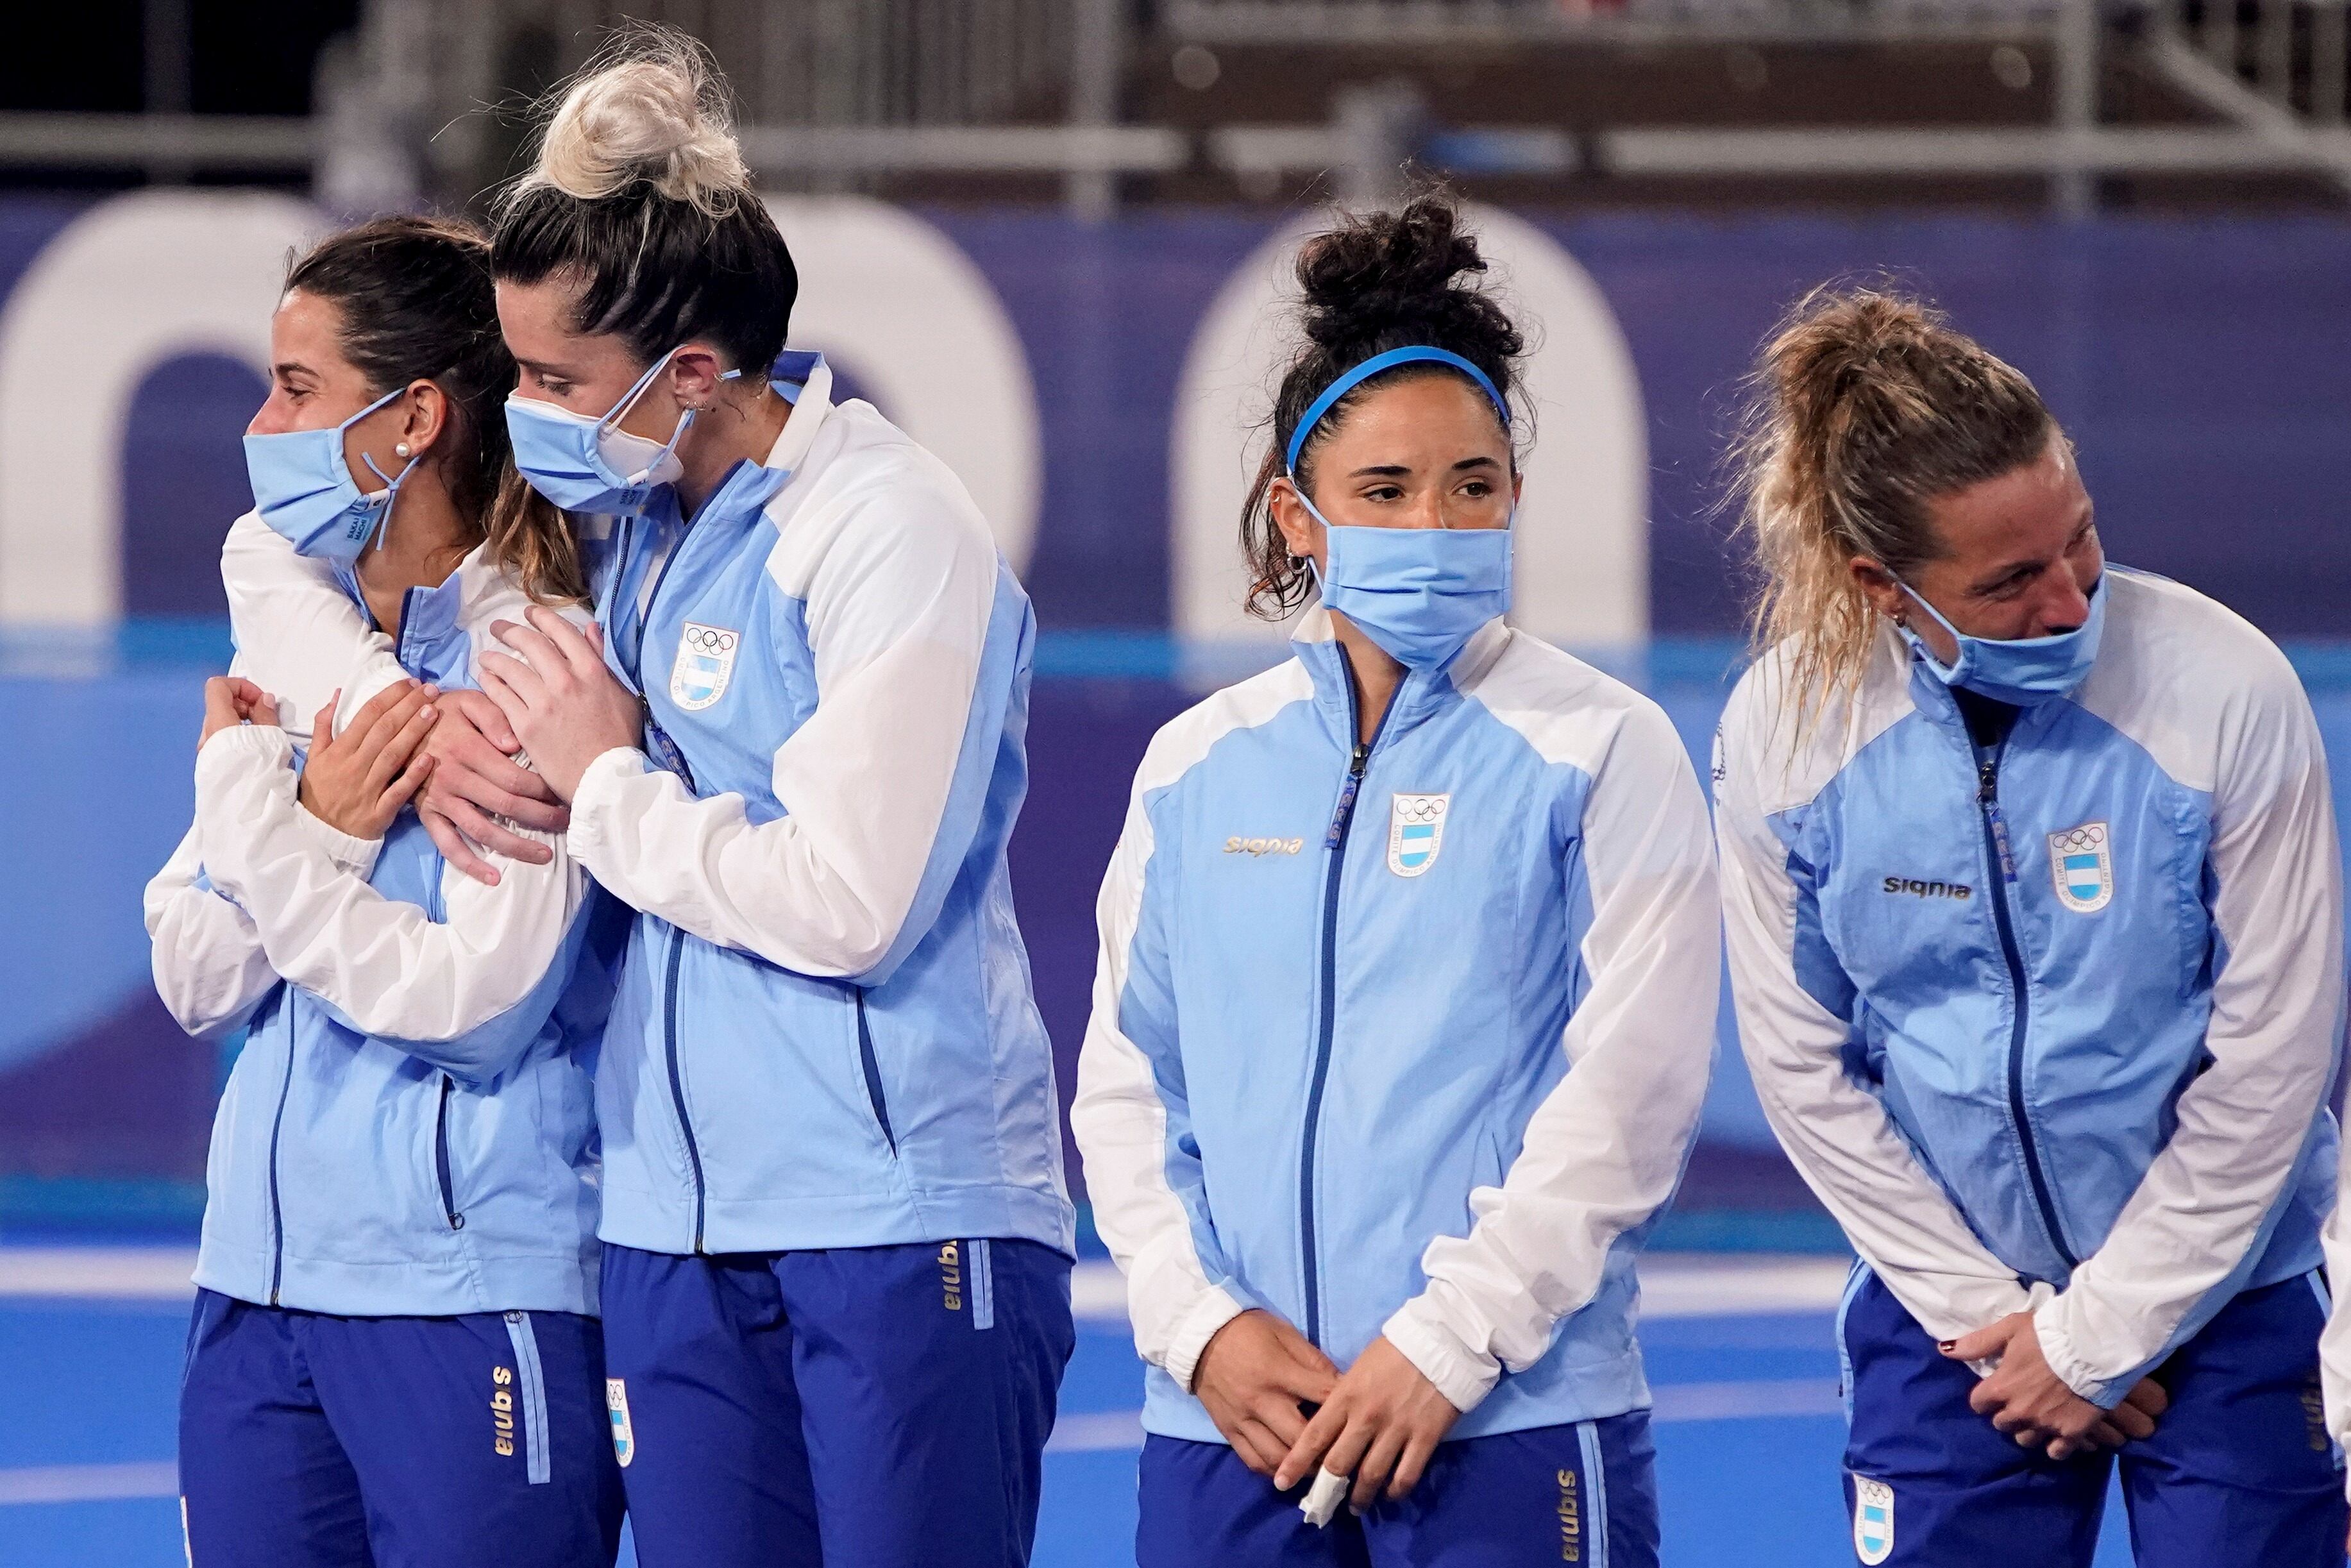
1747 1432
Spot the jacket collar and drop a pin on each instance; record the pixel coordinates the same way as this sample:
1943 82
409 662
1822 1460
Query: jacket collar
1420 694
802 380
805 382
432 642
1934 700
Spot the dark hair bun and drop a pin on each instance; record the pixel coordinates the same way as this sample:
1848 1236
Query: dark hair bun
1392 276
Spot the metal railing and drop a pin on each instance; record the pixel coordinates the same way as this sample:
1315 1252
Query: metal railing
460 71
838 94
1407 22
2291 53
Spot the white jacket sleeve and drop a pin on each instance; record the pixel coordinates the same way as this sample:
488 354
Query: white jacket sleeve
2182 1246
391 971
884 785
209 966
1793 1029
1131 1119
1603 1151
297 630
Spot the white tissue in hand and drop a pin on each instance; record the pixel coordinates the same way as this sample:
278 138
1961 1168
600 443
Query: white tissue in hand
1323 1498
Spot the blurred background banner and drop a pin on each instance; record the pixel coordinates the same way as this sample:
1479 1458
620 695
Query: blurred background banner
1050 238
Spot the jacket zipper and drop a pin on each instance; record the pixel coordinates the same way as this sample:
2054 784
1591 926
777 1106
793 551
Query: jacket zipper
407 619
277 1213
1334 843
677 1083
652 599
676 938
668 750
2003 868
440 1158
873 1072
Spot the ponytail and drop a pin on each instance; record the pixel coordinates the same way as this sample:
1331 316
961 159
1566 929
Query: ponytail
1865 405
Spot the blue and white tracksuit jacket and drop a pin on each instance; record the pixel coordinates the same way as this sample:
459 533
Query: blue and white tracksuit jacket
823 1032
409 1128
2051 1026
1408 1041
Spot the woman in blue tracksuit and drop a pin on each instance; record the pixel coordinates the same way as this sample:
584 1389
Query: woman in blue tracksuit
1405 997
836 1245
2033 904
394 1356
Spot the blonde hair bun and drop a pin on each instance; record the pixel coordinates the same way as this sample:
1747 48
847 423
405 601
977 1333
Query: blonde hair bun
653 107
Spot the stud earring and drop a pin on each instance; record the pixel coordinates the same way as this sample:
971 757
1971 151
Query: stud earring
402 449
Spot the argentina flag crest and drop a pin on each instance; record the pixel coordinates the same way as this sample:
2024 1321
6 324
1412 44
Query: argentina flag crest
2082 861
1416 831
616 1405
705 661
1873 1520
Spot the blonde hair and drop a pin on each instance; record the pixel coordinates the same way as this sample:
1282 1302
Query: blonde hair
1863 406
530 537
650 106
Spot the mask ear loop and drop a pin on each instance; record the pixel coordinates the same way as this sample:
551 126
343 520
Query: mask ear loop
629 401
1289 477
1958 639
391 485
391 492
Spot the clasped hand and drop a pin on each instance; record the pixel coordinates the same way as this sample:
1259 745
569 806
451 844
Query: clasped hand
1378 1422
555 689
558 704
356 782
2025 1398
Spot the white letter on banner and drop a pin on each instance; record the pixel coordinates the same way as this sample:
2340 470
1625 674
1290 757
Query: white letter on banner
897 305
132 282
1581 567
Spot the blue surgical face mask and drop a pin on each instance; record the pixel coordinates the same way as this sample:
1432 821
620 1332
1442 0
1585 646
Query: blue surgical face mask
592 465
304 490
2022 671
1420 593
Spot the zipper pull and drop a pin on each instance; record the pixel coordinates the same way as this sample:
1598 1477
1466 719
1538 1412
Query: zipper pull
1347 797
1988 797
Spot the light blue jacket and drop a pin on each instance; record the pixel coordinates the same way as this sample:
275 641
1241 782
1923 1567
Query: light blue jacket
823 1033
1407 1040
408 1128
2050 1025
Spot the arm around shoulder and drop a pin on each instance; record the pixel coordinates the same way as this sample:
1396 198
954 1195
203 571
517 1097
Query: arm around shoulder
918 648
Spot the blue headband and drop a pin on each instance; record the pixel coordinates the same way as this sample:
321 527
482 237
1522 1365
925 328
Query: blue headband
1374 366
